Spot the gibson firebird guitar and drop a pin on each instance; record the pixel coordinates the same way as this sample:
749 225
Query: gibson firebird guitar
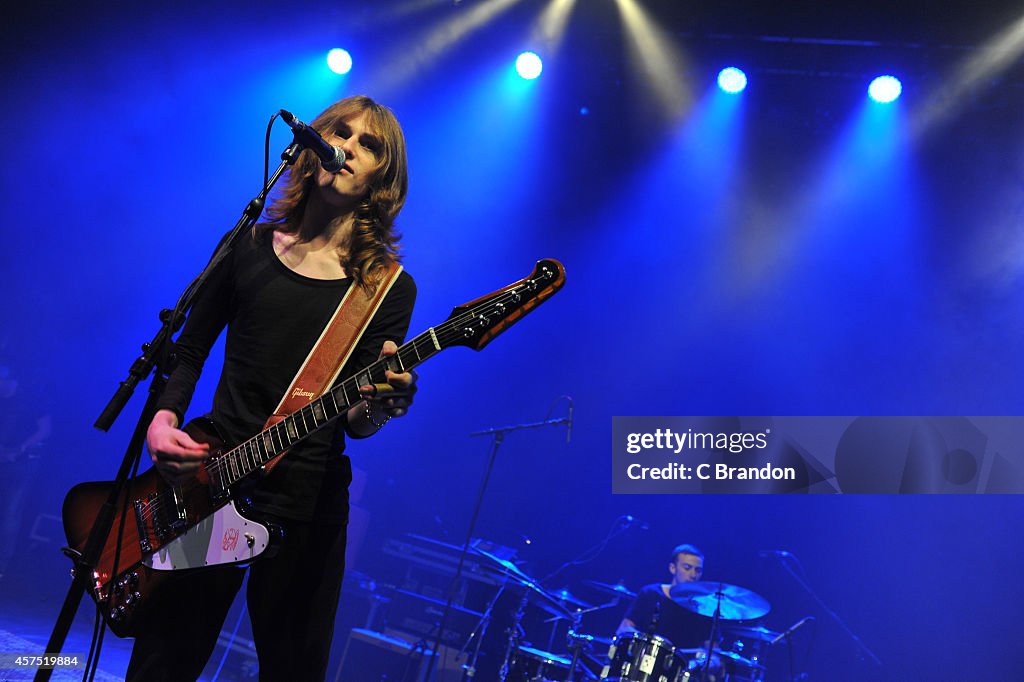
159 528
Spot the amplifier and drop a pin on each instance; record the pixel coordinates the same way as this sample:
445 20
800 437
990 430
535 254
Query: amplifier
420 616
376 656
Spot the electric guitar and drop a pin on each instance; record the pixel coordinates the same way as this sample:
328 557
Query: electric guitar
166 528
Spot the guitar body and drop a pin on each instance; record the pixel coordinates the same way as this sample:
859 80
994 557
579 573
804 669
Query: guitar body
165 528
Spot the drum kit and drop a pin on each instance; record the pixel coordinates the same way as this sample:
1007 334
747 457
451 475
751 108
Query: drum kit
637 656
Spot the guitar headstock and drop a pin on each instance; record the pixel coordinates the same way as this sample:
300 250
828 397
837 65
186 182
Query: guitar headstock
478 322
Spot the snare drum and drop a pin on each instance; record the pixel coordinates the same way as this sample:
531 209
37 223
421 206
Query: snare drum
637 657
533 665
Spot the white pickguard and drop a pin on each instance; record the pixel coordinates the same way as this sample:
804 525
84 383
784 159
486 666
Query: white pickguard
224 537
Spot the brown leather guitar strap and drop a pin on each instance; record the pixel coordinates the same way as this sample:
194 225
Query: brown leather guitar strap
333 349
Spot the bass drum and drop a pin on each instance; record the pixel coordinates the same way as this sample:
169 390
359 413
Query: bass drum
637 657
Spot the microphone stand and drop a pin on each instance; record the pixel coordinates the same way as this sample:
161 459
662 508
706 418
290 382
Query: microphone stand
807 588
499 437
157 358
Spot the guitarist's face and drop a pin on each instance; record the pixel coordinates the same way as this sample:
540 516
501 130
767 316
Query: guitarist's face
362 147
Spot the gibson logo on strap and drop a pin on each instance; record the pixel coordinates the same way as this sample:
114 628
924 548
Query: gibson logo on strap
299 392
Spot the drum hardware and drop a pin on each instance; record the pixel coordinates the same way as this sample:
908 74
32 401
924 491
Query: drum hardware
757 632
721 601
544 599
515 633
617 589
579 644
479 632
566 597
732 656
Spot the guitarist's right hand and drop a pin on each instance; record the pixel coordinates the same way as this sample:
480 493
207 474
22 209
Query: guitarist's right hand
175 455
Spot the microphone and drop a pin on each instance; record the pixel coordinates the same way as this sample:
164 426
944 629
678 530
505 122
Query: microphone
780 553
331 158
629 521
788 632
568 431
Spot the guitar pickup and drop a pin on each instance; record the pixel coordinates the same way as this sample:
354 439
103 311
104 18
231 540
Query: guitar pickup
160 515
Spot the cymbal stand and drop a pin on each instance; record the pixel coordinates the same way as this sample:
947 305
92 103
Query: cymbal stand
577 643
714 633
514 635
479 632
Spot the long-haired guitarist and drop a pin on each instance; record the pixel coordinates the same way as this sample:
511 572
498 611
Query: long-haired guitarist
275 293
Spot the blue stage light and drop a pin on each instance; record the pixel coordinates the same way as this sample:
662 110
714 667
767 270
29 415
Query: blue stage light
529 65
885 89
732 80
339 61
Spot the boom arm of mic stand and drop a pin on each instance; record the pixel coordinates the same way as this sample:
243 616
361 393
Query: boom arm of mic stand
519 427
830 612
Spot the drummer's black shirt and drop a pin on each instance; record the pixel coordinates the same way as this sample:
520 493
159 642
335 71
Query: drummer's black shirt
683 628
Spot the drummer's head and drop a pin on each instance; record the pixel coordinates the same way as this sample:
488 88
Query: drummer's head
686 564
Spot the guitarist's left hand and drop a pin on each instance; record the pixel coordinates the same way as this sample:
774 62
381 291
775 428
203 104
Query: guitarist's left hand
383 400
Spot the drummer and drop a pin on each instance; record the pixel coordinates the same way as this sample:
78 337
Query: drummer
654 612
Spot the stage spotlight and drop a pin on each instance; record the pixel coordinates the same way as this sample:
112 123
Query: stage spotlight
529 65
339 61
885 89
732 80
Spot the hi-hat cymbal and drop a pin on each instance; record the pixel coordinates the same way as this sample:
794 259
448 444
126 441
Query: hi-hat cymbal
618 589
736 603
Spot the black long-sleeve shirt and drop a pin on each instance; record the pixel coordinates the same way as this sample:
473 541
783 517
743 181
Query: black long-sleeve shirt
652 609
274 317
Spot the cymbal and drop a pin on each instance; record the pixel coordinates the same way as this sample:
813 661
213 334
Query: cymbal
751 632
547 601
737 603
618 589
566 597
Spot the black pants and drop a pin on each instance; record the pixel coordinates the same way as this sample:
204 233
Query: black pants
292 600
